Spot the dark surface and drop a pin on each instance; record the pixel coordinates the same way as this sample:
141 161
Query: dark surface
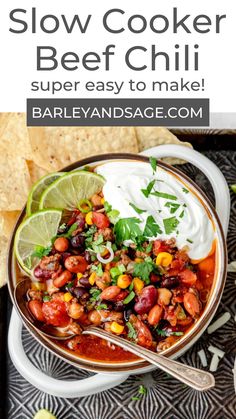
166 398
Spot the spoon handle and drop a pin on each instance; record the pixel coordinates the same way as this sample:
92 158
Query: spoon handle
193 377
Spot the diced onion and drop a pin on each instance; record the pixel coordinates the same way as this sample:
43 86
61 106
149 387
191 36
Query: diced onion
111 257
202 357
216 351
219 322
214 363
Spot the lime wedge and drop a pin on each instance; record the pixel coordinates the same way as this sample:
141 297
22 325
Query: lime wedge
44 414
37 190
36 230
67 191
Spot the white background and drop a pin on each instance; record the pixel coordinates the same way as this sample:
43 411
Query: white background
217 51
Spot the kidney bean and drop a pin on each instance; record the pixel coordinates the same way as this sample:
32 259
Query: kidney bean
192 304
65 255
121 296
80 293
40 273
80 220
154 315
84 281
62 279
171 282
77 242
35 307
61 244
146 300
110 293
76 264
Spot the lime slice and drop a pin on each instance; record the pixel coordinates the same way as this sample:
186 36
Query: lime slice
67 191
36 230
37 190
44 414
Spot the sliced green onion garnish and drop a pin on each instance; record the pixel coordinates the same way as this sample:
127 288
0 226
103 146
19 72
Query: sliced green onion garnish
129 297
84 206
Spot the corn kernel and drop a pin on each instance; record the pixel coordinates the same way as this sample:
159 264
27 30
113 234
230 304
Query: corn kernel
138 284
79 275
117 328
103 201
105 252
138 260
164 259
89 217
67 297
92 278
39 286
123 281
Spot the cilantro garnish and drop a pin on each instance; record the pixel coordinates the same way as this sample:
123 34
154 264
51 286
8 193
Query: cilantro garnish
170 224
153 163
185 190
142 391
40 251
151 228
138 210
146 192
68 234
161 332
97 269
89 235
132 332
95 294
143 269
164 195
127 229
113 215
149 248
173 206
107 206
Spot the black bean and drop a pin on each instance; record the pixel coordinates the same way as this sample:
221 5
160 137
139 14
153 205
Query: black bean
87 256
80 293
65 255
80 220
119 306
85 282
77 242
127 313
171 282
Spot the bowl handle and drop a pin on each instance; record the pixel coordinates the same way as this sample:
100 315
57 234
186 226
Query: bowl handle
59 388
214 175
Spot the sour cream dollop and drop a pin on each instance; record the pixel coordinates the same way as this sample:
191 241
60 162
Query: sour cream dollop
174 207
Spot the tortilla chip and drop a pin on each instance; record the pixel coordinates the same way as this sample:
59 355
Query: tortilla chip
153 136
55 148
7 222
14 182
35 171
14 136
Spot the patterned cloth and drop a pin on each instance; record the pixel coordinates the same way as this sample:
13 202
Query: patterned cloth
166 398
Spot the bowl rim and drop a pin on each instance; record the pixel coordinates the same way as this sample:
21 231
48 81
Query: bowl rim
184 343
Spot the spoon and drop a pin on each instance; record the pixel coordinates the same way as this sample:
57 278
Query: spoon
193 377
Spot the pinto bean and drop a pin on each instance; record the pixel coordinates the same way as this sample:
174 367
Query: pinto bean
144 336
154 315
192 304
75 310
61 244
94 317
110 293
62 279
35 307
164 296
76 264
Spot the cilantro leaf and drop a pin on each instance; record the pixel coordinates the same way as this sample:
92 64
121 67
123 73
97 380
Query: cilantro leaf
146 192
138 210
143 269
161 332
173 206
107 207
132 332
151 228
113 215
153 163
164 195
127 229
40 251
97 269
101 307
142 390
95 294
170 224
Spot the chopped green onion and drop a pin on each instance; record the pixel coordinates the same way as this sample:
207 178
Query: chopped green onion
84 206
185 190
46 298
153 163
182 214
190 241
164 195
138 210
129 297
